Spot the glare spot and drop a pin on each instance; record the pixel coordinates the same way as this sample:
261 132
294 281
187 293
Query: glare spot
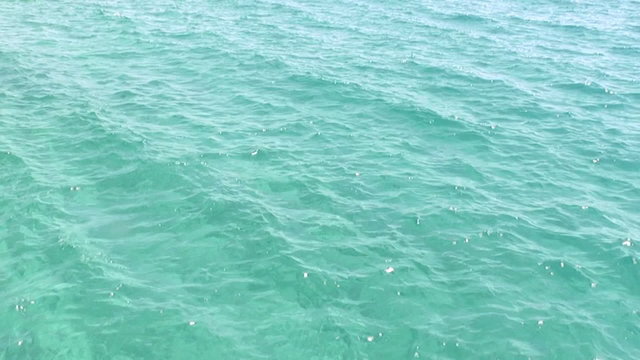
540 322
370 338
192 323
254 153
20 342
357 173
305 275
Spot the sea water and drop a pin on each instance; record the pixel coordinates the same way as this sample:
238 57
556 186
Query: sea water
306 179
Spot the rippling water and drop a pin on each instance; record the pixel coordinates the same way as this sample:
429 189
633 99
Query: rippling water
319 179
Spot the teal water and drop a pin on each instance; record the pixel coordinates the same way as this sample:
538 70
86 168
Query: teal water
319 179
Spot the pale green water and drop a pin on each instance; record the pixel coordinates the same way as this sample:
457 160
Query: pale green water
171 170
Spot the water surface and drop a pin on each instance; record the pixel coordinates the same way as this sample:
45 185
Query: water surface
319 179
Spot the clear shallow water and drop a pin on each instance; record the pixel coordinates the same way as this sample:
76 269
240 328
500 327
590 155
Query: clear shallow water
322 180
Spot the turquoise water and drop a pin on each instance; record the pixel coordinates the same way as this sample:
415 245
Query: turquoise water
319 179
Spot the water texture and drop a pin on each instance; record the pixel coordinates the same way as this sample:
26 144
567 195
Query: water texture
294 179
